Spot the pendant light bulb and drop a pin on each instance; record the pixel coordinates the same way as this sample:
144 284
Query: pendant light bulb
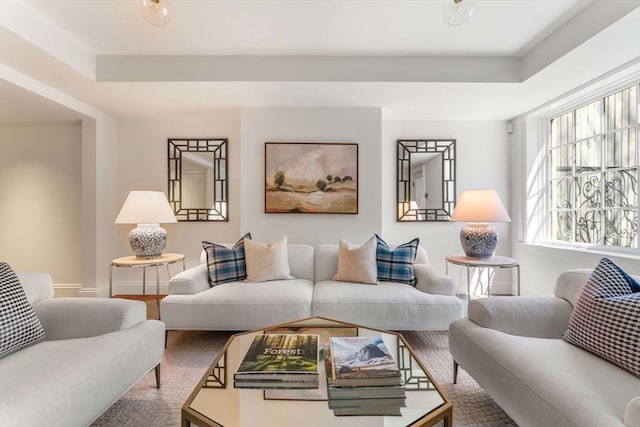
457 12
156 12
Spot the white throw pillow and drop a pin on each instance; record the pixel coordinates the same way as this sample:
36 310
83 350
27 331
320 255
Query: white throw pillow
357 263
267 261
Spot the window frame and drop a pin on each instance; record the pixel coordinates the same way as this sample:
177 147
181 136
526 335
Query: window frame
542 119
571 108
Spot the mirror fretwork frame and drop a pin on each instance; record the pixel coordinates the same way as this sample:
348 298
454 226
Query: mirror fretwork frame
446 148
219 208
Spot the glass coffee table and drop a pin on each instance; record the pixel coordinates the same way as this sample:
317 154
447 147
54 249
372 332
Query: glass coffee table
216 402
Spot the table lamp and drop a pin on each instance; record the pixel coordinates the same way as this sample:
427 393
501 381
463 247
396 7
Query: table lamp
147 209
478 208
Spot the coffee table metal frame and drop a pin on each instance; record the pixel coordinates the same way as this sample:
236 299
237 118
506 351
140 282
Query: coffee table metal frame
220 376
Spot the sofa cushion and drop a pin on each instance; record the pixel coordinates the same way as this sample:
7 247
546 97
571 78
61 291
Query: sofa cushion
605 319
224 264
267 261
19 325
239 306
357 263
390 305
396 265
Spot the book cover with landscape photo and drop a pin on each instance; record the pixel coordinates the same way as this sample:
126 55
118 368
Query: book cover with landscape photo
324 335
358 361
277 357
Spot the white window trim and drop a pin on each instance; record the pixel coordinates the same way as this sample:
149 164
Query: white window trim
538 121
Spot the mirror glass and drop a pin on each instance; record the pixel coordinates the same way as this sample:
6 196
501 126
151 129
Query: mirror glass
198 183
425 179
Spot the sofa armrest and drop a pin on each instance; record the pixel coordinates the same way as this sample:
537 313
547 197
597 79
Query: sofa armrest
632 413
431 281
542 317
65 318
191 281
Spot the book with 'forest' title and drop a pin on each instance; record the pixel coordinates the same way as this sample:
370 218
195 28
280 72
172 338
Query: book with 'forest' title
280 360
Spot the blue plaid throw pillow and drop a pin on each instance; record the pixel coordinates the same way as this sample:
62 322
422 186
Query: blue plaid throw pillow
397 265
605 318
226 265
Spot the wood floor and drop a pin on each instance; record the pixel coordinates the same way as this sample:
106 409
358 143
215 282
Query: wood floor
150 300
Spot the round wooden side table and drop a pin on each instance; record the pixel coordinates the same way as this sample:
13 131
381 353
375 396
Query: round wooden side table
134 262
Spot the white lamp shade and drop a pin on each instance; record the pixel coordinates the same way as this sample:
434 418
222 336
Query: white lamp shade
146 207
482 205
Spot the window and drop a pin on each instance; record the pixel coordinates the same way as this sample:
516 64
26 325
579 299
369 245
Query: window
593 172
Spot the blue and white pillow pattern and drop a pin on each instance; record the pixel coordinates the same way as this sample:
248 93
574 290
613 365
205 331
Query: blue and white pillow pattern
226 265
606 318
19 324
397 265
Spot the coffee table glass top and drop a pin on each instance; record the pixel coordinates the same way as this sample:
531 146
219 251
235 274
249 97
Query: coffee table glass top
216 402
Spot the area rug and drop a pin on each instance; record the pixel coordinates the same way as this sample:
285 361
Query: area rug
189 354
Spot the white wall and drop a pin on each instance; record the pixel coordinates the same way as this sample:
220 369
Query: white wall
482 161
40 212
354 125
482 153
142 165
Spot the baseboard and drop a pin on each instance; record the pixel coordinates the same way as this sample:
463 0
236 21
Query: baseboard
66 290
102 292
497 288
503 288
135 288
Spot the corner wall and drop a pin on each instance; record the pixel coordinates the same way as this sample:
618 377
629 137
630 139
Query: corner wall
40 213
142 165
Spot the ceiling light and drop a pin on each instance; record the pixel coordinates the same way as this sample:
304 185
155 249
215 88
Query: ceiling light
156 12
457 12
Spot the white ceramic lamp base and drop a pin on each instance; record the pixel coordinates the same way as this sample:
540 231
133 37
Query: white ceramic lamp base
148 240
478 240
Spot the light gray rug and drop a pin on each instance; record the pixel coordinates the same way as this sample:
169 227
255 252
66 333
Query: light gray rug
189 354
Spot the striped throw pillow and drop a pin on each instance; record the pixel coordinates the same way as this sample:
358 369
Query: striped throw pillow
397 265
224 264
605 320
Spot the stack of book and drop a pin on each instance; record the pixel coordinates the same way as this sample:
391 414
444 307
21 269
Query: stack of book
279 361
363 378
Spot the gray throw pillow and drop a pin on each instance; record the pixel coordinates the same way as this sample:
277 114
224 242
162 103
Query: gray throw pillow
19 325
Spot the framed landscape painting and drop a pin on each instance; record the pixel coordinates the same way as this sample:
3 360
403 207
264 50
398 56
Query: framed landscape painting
311 177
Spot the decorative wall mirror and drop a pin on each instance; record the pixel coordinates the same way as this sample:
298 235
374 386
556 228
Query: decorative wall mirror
426 174
198 179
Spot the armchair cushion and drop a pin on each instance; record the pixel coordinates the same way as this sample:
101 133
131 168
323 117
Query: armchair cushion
66 318
397 265
19 325
605 319
542 317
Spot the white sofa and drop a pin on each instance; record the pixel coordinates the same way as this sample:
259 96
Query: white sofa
94 351
194 305
512 347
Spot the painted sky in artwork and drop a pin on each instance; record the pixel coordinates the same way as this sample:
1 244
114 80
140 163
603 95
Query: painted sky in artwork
306 163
